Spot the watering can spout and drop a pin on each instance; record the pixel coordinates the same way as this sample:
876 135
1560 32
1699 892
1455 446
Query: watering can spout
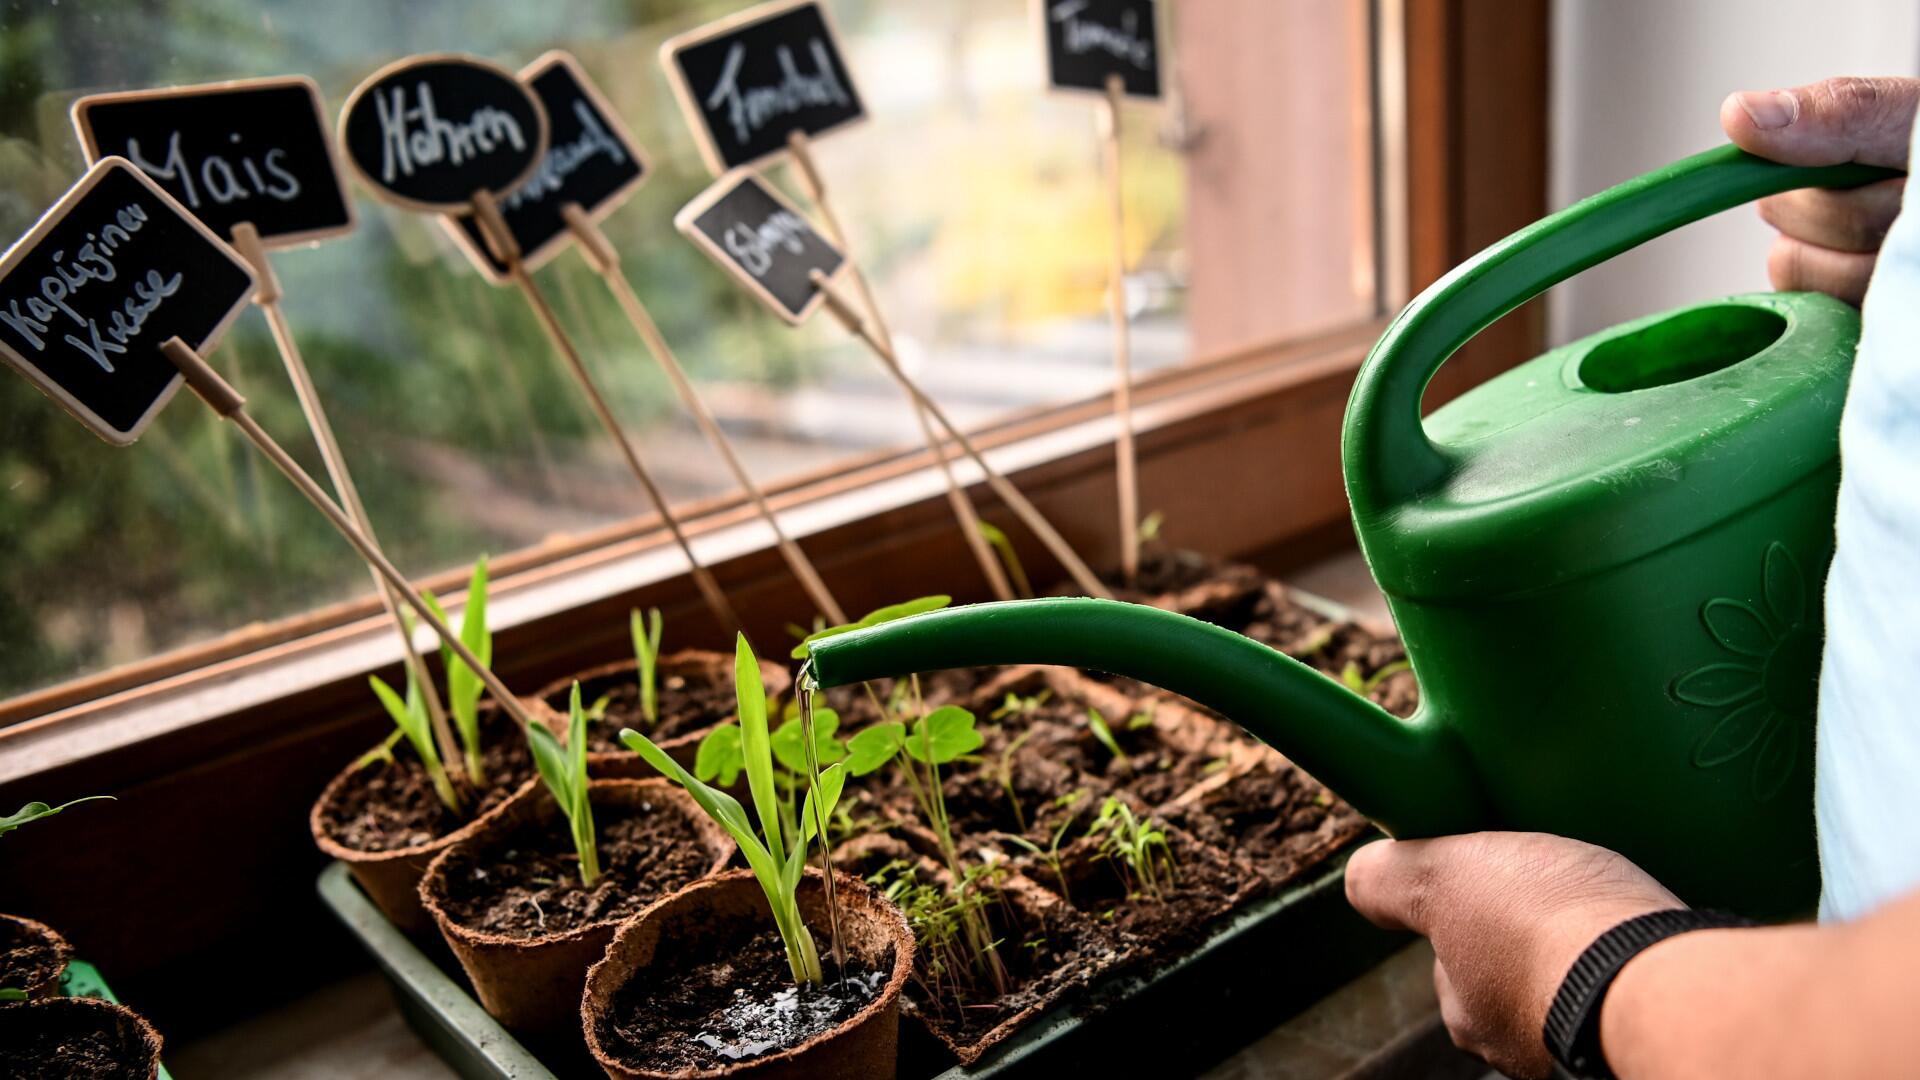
1410 776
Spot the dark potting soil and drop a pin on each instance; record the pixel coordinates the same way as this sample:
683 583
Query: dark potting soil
687 701
1167 571
733 1001
528 884
391 805
26 958
60 1043
1278 820
1161 923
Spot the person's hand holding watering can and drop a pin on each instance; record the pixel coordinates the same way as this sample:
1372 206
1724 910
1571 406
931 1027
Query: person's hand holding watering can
1509 914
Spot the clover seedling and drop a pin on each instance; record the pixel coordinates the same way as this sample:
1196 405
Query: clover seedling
564 769
777 869
646 650
34 811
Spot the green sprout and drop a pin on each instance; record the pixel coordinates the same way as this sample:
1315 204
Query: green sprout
646 650
10 994
1135 845
463 683
938 738
1004 774
34 811
564 770
939 918
410 717
1150 527
1350 676
1051 853
891 612
775 867
722 757
1023 707
1098 725
1003 547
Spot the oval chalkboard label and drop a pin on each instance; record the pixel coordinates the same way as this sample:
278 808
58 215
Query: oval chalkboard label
428 131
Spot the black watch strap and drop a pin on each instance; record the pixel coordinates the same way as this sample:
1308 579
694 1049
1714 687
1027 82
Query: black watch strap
1573 1021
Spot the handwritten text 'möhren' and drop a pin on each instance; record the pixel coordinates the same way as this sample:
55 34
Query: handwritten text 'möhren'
750 108
93 263
417 136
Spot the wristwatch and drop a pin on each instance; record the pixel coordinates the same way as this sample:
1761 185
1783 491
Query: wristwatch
1573 1021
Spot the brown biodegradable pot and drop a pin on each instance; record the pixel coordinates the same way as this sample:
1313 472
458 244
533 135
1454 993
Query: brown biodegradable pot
696 695
32 956
862 1047
531 981
391 877
61 1037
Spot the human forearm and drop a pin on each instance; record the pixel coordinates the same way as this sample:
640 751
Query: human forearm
1793 1001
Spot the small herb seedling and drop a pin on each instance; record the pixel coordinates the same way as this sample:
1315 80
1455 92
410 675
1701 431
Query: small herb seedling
1136 846
940 919
34 811
564 770
1051 853
1097 723
463 684
775 867
1004 774
1150 527
646 650
1023 707
1002 546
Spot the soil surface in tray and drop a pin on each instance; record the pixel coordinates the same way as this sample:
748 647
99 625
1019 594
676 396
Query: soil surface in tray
26 958
391 805
528 884
686 703
65 1043
733 1003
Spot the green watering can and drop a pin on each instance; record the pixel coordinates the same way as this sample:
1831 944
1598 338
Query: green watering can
1606 564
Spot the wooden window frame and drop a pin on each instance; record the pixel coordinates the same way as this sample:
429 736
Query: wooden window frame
216 751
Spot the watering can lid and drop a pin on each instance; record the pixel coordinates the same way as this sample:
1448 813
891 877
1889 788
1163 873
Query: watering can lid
1620 444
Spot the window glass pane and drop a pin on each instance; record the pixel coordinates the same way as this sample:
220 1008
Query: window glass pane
976 202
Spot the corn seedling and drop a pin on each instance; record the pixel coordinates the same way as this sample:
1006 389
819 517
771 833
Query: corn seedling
410 717
1003 548
463 684
646 650
1150 527
1051 853
1351 678
564 770
775 867
721 757
1135 846
34 811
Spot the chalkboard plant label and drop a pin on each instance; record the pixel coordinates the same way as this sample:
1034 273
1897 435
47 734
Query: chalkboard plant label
256 151
1089 40
591 160
116 267
428 131
748 82
758 237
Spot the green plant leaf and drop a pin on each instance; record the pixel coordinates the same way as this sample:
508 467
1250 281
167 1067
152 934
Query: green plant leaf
832 780
943 735
1003 547
409 716
874 747
464 688
11 993
550 758
646 653
382 752
789 744
751 697
1098 725
719 757
890 613
34 811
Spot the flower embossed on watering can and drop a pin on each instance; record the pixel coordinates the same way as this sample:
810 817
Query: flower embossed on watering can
1763 694
1544 542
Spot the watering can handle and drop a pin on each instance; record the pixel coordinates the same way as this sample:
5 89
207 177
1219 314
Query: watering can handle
1385 450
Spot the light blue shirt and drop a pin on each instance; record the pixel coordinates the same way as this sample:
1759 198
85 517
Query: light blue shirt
1867 767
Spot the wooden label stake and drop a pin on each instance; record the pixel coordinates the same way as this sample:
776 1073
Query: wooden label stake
1125 469
501 242
964 511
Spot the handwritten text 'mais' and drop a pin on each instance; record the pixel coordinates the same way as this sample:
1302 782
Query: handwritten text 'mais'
267 176
563 159
92 263
753 248
416 136
1082 36
750 108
